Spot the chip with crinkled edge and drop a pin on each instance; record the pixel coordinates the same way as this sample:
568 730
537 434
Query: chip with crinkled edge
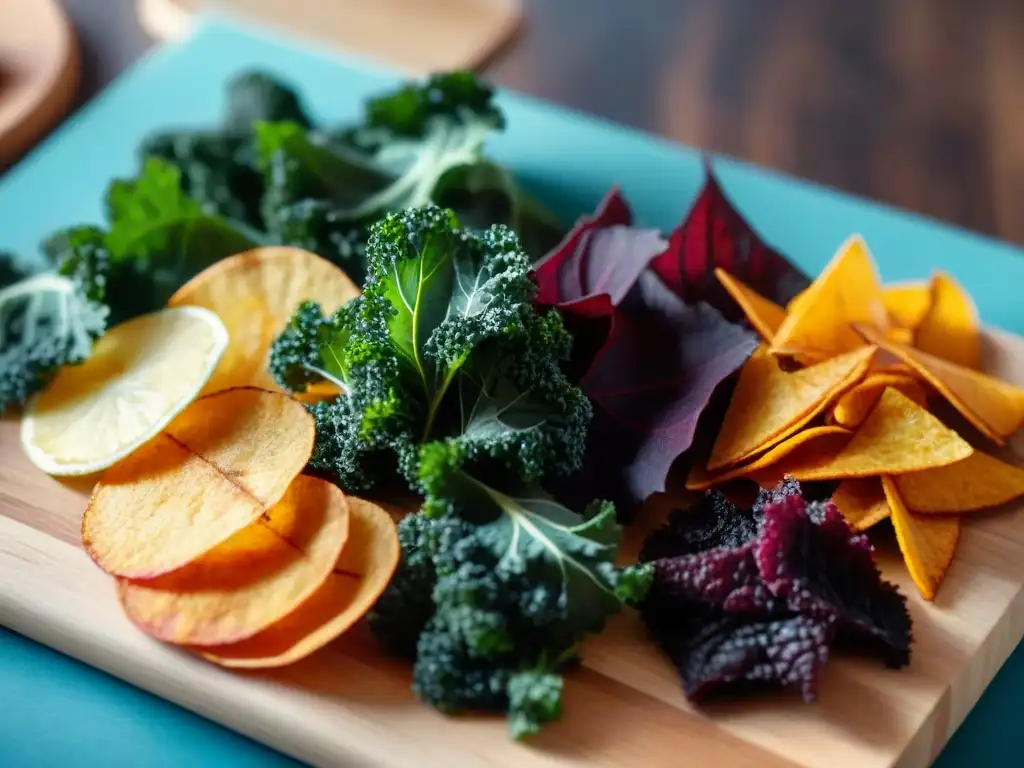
907 302
898 436
862 502
928 542
994 407
764 314
362 572
829 437
950 329
769 404
853 406
818 324
978 482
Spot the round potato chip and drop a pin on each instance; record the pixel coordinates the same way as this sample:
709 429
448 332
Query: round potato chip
255 294
253 579
361 574
214 471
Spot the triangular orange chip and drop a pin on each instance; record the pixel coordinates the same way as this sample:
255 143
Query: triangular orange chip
907 303
854 406
830 437
977 482
765 315
847 291
927 543
862 502
769 404
994 407
950 329
898 436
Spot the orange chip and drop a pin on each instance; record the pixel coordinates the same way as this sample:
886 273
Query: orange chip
768 404
847 291
256 577
765 315
699 480
218 466
928 543
361 574
950 329
977 482
898 436
255 293
862 502
907 303
853 406
994 407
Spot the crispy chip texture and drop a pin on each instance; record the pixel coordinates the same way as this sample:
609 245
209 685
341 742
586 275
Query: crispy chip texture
853 406
218 466
907 303
994 407
255 293
364 569
862 502
253 579
768 404
928 543
898 436
977 482
764 314
847 291
950 329
813 438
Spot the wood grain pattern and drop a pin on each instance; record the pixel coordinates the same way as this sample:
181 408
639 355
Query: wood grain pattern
411 34
349 705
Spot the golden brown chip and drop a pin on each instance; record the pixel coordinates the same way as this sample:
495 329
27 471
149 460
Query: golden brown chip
256 577
907 303
361 574
764 314
220 464
950 329
255 293
862 502
854 405
977 482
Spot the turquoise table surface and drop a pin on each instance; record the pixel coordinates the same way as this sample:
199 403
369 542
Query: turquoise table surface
57 712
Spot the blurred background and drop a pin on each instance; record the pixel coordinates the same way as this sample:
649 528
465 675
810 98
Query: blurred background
917 104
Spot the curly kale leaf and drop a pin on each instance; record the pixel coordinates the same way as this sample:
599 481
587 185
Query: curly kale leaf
46 322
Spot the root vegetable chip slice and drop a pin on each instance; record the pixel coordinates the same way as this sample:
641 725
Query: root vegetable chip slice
977 482
898 436
765 315
255 294
253 579
907 303
828 436
950 329
768 404
928 543
862 502
219 465
854 406
847 291
364 569
994 407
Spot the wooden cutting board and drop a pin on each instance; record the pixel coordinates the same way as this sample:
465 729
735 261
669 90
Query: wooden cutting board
415 35
348 705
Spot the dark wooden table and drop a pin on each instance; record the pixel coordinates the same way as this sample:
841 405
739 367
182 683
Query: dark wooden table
918 103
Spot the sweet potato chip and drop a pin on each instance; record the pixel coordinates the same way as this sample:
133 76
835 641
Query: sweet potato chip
977 482
950 329
862 502
255 293
768 404
898 436
994 407
907 303
364 569
764 314
218 466
847 291
853 406
928 543
256 577
700 480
